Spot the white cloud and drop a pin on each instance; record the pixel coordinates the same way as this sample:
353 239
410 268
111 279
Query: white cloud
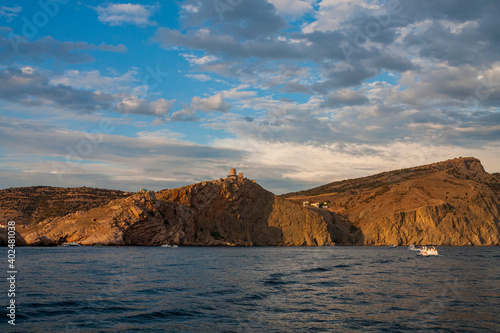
457 28
213 103
332 14
294 8
10 12
94 80
126 13
28 70
191 8
135 105
194 60
163 135
199 77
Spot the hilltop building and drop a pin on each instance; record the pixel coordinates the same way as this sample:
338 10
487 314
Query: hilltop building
232 174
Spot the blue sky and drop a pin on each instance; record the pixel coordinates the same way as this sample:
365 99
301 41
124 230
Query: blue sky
294 93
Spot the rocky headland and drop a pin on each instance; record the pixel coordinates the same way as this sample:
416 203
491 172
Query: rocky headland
455 202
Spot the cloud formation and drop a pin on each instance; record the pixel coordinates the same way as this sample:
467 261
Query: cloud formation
117 14
10 12
15 48
29 87
307 91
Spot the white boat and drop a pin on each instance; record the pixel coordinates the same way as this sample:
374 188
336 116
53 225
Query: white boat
168 245
414 247
428 250
71 244
392 245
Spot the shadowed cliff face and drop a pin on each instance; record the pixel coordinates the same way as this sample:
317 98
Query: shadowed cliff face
238 211
223 212
137 220
4 238
454 202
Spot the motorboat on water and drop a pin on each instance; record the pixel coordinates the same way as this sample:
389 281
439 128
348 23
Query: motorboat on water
414 247
169 245
71 244
428 250
392 245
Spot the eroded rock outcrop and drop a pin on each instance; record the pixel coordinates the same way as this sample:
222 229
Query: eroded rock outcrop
4 238
239 211
137 220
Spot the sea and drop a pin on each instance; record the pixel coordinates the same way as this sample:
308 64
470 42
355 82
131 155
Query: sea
254 289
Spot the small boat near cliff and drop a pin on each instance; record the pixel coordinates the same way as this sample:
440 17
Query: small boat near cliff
428 250
414 247
168 245
71 244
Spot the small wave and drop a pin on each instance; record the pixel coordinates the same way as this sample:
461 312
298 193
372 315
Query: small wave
317 269
276 282
171 313
254 297
50 312
328 284
52 304
217 292
382 261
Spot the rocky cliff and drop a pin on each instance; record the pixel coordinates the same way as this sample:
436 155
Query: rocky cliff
137 220
4 238
239 211
232 211
455 202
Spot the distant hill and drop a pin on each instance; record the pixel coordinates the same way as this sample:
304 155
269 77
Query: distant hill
455 202
27 205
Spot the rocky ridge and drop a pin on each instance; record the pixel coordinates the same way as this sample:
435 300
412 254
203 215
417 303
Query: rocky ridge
232 211
455 202
27 205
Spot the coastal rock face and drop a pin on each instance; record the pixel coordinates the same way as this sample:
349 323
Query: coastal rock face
455 202
4 239
224 212
137 220
240 212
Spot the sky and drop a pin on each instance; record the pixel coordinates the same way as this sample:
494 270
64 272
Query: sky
293 93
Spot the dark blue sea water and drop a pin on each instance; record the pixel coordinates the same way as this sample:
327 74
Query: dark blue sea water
260 289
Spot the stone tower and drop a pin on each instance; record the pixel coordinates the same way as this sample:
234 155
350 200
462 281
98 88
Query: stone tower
232 172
